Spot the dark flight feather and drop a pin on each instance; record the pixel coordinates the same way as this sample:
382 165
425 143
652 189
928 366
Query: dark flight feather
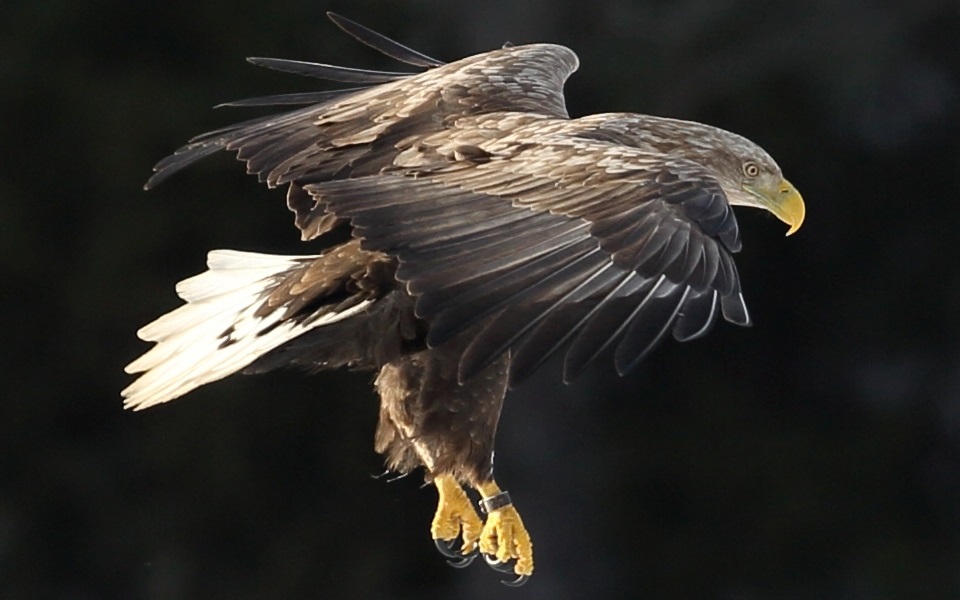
289 99
696 316
647 326
328 72
382 43
547 337
601 330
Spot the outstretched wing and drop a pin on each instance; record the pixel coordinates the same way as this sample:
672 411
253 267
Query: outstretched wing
549 238
360 130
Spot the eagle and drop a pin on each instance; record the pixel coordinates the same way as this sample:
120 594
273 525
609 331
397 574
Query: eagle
486 230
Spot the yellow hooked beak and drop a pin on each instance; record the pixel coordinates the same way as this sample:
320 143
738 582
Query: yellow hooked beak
784 201
789 207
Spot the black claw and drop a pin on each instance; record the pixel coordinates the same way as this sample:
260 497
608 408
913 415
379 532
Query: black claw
463 563
496 565
506 567
458 560
520 580
447 548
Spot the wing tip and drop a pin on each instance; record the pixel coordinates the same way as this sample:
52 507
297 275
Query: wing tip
155 179
734 309
382 43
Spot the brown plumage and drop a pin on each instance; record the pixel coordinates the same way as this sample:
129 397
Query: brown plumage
488 231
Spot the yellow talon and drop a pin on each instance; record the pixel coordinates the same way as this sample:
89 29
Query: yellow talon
504 535
455 515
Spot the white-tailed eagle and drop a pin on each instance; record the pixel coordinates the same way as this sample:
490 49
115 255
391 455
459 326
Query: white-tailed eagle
488 230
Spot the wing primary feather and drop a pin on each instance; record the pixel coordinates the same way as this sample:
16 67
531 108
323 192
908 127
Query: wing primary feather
473 361
502 261
443 240
652 247
520 368
684 268
382 43
707 267
328 72
665 247
445 323
492 289
290 99
585 349
177 162
477 240
735 310
727 281
646 329
224 134
540 280
211 142
210 137
697 316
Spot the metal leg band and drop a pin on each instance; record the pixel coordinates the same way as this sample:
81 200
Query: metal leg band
488 505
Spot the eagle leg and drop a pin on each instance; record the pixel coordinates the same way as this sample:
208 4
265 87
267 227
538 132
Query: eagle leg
455 517
504 538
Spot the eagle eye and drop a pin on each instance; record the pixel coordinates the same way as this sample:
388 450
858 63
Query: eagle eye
750 169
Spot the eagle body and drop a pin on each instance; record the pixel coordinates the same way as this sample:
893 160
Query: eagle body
427 416
487 231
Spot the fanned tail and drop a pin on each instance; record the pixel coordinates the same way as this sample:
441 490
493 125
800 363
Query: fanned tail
222 328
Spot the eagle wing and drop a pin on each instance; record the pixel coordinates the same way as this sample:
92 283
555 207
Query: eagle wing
552 240
505 215
359 130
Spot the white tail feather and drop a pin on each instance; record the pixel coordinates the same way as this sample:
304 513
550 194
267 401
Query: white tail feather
190 349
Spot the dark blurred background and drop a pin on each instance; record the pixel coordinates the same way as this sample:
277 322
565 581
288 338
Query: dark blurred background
816 455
